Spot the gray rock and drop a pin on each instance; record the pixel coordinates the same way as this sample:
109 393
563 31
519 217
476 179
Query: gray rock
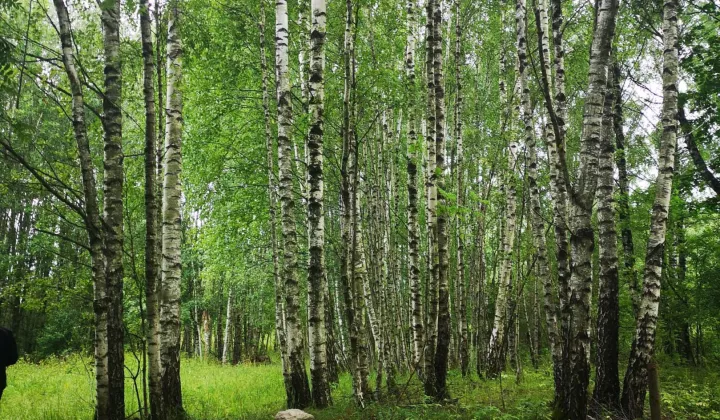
293 414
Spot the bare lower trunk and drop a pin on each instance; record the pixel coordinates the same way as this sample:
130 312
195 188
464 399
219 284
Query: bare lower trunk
636 377
228 323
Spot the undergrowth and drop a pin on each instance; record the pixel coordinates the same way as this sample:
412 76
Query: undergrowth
57 389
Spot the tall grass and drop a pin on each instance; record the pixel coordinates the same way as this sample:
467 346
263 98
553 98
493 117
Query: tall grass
64 389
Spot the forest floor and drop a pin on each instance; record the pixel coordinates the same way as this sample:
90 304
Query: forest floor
63 389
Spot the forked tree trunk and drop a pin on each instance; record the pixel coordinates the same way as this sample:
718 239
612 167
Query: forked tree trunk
636 377
151 215
171 218
582 239
113 207
317 280
92 212
299 396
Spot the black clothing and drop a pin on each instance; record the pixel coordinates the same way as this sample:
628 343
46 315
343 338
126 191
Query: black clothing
8 355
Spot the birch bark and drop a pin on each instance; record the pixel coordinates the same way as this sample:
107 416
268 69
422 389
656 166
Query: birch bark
171 221
299 396
317 280
636 376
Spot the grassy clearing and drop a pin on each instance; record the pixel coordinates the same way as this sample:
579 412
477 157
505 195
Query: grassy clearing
63 389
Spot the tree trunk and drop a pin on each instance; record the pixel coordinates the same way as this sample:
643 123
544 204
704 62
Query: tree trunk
279 292
635 384
151 215
171 226
317 280
228 323
464 346
443 334
299 396
431 204
607 380
113 207
496 355
92 212
412 209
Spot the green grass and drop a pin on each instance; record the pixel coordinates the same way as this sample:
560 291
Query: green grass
63 389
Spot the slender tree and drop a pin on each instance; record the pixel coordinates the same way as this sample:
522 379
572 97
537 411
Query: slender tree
464 346
299 395
113 206
151 215
171 223
317 279
412 209
91 209
636 376
279 287
431 208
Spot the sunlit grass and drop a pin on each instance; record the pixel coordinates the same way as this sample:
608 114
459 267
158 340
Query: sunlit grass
63 389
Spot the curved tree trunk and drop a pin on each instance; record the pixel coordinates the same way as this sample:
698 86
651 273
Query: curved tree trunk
636 377
92 211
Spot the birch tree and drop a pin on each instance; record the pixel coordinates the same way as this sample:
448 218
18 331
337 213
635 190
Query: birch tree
151 215
636 376
278 286
92 212
113 206
171 215
607 382
299 395
413 146
317 279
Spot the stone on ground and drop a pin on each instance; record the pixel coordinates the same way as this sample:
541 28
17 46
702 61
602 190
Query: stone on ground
293 414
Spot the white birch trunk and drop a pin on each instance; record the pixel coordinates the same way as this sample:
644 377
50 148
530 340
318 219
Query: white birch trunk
636 377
